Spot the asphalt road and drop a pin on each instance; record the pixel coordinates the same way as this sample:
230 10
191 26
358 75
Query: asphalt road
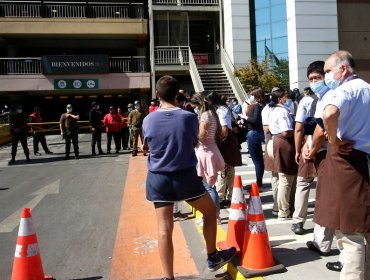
75 207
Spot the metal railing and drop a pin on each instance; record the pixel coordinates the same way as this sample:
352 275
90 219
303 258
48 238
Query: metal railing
229 69
171 55
21 65
33 65
187 2
81 9
194 74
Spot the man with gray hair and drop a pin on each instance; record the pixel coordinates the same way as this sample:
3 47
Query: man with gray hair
345 188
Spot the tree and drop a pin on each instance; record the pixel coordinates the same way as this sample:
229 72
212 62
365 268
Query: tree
281 70
262 74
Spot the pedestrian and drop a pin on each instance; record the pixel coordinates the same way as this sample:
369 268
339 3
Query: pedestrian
345 188
171 135
281 150
253 123
113 122
69 130
315 150
153 105
302 133
210 160
236 108
135 121
95 119
130 107
124 128
38 134
225 182
18 130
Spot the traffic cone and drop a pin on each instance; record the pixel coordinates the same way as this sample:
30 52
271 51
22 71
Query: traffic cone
237 218
27 261
257 257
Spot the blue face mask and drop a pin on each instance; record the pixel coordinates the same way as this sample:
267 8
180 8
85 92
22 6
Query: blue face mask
330 81
288 103
319 88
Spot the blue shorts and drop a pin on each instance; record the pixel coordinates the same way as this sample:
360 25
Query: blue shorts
174 186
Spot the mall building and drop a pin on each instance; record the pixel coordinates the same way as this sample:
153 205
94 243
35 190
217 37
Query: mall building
111 51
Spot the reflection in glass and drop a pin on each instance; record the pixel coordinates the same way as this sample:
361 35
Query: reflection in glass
263 32
279 29
262 16
259 4
278 13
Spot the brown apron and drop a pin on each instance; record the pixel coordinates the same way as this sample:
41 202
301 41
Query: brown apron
343 192
306 169
284 153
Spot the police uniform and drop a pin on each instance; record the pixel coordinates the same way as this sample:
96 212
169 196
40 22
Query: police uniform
344 190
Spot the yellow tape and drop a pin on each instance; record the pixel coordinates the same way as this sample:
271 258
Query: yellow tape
221 236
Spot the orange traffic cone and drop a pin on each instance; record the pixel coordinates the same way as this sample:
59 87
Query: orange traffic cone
27 261
237 218
257 257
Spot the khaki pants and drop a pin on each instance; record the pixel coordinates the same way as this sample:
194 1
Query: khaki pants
225 179
134 136
323 238
301 199
356 266
275 187
283 195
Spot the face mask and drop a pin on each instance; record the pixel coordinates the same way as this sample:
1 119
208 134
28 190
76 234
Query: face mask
288 103
69 110
252 99
129 109
319 88
196 110
330 81
137 107
152 103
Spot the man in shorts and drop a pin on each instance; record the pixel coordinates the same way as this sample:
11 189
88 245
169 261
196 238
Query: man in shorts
170 134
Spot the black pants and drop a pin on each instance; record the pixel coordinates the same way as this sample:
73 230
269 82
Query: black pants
117 140
96 140
74 138
124 137
22 137
39 137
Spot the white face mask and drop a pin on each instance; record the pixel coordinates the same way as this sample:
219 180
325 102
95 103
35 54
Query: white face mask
69 110
252 99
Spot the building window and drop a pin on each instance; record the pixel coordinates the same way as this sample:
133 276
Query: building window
270 28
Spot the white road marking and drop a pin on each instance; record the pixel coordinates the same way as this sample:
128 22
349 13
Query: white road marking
12 221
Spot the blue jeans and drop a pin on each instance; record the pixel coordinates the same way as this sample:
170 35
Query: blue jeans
254 139
213 193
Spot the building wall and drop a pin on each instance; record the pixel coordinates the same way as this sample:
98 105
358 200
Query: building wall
354 33
312 35
237 40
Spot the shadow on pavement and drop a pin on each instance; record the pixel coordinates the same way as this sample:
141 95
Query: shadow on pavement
290 257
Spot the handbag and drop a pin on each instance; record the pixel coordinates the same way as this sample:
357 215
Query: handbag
229 149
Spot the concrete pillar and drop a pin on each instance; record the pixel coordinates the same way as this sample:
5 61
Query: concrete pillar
312 35
237 40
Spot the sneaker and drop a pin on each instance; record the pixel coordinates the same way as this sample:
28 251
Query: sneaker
220 258
297 228
178 216
37 154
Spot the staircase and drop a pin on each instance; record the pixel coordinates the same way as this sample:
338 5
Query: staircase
214 78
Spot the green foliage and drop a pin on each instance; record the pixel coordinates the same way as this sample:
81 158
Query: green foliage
263 74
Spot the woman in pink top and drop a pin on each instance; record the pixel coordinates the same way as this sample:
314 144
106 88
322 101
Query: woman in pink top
210 160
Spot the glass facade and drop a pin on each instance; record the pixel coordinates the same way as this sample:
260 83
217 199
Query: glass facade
270 28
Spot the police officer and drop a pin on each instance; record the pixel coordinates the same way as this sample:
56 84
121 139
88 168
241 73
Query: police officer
18 130
95 118
135 121
69 130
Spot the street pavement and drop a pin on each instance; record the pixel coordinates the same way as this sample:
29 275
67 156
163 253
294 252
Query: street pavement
92 220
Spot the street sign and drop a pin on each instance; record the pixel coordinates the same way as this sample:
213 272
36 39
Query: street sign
60 84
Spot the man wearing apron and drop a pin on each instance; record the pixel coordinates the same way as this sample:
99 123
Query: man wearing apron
346 188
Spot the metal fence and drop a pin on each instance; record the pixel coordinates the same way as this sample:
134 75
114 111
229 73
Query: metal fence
171 55
33 65
187 2
54 9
